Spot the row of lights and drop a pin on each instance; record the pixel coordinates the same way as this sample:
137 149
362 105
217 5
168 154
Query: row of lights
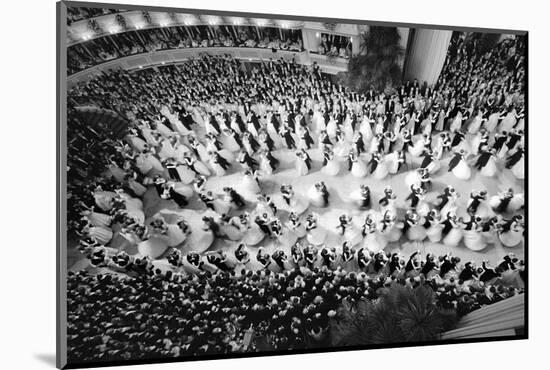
189 22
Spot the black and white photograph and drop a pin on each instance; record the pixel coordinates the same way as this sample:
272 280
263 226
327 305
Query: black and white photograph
244 184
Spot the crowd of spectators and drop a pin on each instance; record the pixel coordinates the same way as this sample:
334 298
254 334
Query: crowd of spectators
154 314
78 13
96 51
335 46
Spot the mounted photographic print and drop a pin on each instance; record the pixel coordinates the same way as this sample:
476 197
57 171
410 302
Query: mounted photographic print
235 184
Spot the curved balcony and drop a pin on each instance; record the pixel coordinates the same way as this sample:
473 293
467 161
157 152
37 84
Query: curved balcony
175 56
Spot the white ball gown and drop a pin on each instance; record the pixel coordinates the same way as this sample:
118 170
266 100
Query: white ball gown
433 232
200 239
474 240
453 237
512 237
490 169
230 230
391 232
359 168
462 171
101 233
317 235
301 167
416 233
143 164
298 204
372 242
154 247
475 124
104 199
353 235
516 203
250 185
297 228
413 178
508 122
417 148
492 122
392 162
97 218
381 170
175 235
332 168
252 234
186 174
518 169
457 122
136 187
316 197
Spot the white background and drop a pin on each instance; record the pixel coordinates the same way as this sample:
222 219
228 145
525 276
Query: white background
27 144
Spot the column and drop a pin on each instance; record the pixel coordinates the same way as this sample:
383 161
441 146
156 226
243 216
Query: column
426 55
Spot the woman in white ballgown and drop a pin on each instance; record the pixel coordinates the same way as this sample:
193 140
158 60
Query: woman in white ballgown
231 228
154 162
185 173
295 225
475 125
358 167
293 202
516 203
414 178
216 167
371 240
154 246
461 170
143 164
457 122
250 183
301 164
332 168
473 238
509 121
511 232
332 127
414 230
137 143
492 122
518 169
197 165
202 237
102 234
318 121
316 196
390 230
453 235
177 233
103 199
374 144
418 146
490 169
394 161
432 224
353 234
361 197
166 150
365 129
228 141
381 170
252 234
341 148
316 234
96 218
